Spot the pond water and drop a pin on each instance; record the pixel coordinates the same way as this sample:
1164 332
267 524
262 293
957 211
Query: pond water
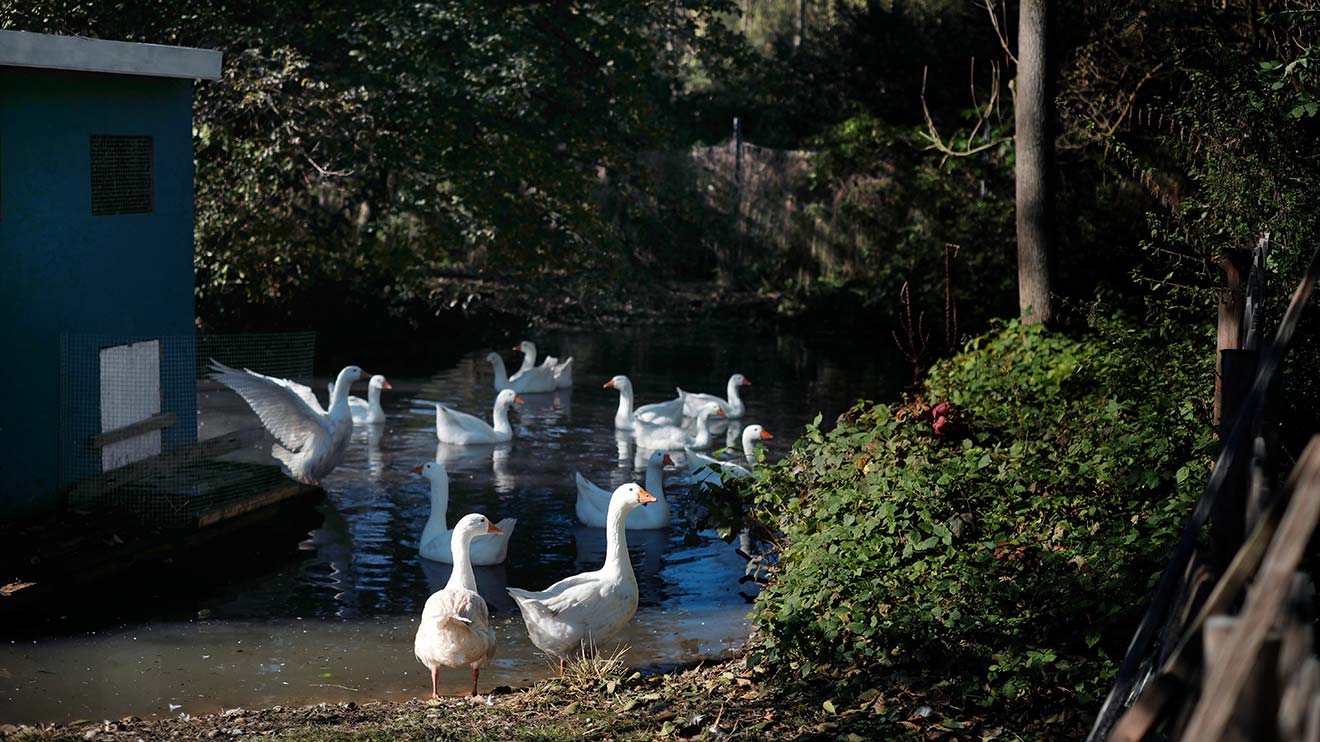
336 622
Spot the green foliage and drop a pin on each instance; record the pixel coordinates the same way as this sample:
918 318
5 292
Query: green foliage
1005 555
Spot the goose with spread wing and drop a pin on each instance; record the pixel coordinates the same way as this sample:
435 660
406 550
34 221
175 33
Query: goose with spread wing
310 441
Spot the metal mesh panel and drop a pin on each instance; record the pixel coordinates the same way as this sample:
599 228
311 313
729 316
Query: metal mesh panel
143 430
121 174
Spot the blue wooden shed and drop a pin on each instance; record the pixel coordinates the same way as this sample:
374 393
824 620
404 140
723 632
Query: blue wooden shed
96 258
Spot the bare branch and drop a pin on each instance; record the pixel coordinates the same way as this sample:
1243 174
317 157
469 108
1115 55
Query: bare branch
1000 32
937 142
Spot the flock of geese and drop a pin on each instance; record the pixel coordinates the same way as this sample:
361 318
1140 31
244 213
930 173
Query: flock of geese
573 614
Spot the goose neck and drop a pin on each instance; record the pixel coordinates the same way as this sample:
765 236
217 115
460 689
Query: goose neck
501 375
623 416
461 548
500 417
435 524
655 480
616 541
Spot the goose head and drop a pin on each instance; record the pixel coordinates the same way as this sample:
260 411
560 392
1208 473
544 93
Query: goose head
630 495
473 525
739 380
349 375
527 347
756 432
433 471
506 398
619 382
660 458
379 382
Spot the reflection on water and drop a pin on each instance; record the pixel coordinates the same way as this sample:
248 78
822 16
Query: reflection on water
348 606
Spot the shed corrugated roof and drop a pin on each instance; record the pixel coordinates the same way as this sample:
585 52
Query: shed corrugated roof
46 51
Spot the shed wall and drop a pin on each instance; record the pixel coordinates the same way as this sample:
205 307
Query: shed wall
63 270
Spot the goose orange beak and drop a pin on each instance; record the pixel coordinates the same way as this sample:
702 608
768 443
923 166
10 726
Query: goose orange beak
519 400
765 435
492 528
667 461
518 346
363 375
745 382
720 413
417 469
387 385
608 385
644 497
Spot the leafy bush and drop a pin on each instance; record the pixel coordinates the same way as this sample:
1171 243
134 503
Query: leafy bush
1007 553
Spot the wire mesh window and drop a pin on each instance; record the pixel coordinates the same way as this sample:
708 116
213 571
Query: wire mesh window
122 175
143 430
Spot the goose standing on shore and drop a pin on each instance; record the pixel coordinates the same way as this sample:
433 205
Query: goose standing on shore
732 406
455 627
437 539
578 612
310 441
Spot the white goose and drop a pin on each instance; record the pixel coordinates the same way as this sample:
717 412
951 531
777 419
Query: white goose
698 465
593 502
310 440
671 437
538 380
580 611
436 538
368 411
455 628
733 406
452 426
659 413
563 371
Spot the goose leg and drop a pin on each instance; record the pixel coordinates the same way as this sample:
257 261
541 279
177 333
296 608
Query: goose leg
435 682
475 673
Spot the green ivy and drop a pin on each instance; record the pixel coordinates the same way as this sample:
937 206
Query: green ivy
1007 554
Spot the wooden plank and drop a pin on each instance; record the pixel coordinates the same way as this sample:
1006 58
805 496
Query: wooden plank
1226 680
94 487
158 421
233 509
1125 680
1252 717
1254 315
1174 676
1295 700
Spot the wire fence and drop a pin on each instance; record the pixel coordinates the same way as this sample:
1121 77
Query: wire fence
142 429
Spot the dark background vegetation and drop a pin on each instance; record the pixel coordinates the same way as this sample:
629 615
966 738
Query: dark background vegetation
466 163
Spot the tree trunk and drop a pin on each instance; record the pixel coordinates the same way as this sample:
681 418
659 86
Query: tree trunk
1035 154
800 28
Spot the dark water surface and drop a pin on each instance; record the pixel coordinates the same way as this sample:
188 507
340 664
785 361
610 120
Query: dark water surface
337 621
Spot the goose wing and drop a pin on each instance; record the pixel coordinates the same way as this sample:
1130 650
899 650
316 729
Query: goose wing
461 420
305 392
283 411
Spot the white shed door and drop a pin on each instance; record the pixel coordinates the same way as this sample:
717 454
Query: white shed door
130 392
